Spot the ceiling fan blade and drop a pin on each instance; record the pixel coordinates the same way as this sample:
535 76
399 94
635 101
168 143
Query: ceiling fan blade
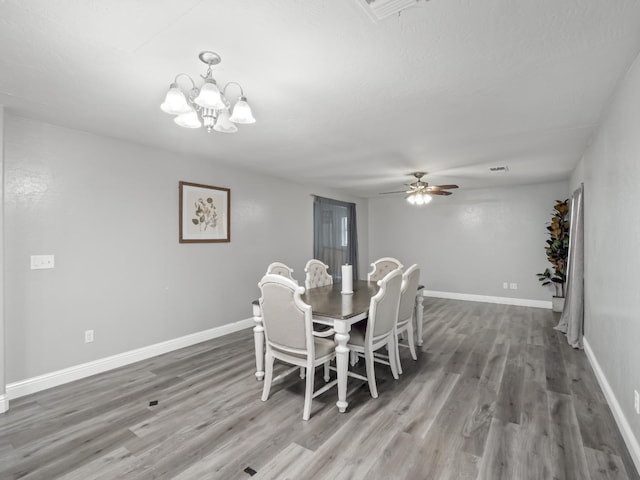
439 192
443 187
389 193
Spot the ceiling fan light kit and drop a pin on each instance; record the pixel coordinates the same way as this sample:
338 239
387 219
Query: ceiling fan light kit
207 105
419 198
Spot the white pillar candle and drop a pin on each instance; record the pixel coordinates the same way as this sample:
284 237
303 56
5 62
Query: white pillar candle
347 279
347 304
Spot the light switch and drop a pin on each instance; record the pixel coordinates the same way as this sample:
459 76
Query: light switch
42 261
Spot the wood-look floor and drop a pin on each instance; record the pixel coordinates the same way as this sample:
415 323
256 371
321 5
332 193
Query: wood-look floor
496 393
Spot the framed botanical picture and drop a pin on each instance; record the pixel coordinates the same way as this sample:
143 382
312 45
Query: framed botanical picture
205 213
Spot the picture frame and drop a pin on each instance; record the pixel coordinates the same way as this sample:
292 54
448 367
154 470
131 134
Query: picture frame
204 213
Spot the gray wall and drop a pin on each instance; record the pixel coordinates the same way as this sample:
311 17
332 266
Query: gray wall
472 241
2 336
108 211
611 174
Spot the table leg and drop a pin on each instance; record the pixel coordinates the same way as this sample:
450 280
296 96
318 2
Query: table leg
342 363
419 300
258 337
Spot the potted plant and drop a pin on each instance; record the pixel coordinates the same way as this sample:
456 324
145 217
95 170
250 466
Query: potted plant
557 250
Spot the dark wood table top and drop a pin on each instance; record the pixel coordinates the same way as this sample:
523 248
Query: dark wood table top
329 302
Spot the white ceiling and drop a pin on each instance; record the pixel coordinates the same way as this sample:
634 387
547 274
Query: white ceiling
451 87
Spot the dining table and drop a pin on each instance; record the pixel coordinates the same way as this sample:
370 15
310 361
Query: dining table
340 311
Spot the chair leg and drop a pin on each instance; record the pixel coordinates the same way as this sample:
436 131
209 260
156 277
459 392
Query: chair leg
371 374
308 394
393 357
397 355
412 341
326 371
302 373
268 375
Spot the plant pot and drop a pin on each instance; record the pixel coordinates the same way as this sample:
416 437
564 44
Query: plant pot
557 304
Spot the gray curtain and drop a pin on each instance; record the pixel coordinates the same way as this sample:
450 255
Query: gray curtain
335 239
572 318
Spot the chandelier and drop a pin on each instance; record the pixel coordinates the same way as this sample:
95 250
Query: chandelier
208 105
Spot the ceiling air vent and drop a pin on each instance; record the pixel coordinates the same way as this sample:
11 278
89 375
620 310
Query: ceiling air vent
381 9
499 169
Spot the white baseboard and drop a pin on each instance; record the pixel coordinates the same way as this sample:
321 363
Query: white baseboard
4 403
60 377
627 433
522 302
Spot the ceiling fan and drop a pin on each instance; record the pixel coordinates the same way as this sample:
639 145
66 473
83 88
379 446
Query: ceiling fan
420 192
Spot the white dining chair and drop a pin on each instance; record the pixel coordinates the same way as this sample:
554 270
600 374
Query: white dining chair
279 268
379 330
381 267
317 274
406 311
290 337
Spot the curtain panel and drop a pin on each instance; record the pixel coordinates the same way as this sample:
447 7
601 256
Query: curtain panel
572 318
335 238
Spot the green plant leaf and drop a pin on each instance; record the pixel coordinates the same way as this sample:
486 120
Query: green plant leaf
557 245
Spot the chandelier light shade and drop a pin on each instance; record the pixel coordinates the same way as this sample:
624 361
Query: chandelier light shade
207 105
242 112
188 120
224 124
175 102
209 96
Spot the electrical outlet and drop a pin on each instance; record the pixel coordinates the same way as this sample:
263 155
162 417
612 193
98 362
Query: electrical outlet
636 401
88 336
39 262
505 285
513 286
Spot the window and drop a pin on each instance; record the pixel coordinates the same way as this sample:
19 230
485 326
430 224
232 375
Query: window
345 232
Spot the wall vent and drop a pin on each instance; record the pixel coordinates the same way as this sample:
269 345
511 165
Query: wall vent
499 169
381 9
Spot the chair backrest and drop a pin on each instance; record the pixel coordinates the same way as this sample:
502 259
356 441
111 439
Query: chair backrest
381 267
410 280
383 309
286 318
280 269
316 274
